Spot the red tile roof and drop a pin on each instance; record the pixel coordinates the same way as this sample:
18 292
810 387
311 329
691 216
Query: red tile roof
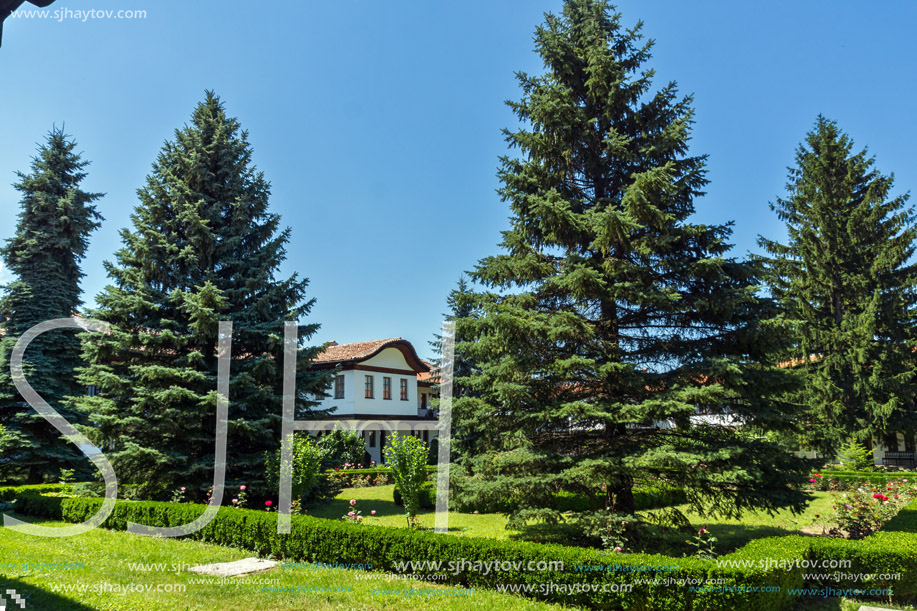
427 376
361 351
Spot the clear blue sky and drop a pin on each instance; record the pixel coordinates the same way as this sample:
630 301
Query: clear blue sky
378 123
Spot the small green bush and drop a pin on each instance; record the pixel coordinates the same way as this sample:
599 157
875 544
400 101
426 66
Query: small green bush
341 448
407 456
427 496
306 464
854 455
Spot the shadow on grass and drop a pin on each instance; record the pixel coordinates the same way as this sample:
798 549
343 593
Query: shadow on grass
337 508
36 598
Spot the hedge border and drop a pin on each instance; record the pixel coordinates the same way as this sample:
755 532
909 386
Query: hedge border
771 561
330 541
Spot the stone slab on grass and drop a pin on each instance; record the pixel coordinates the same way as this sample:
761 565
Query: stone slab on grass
235 569
875 609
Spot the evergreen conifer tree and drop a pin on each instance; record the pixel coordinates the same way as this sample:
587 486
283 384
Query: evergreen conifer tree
204 247
461 304
612 317
51 239
846 284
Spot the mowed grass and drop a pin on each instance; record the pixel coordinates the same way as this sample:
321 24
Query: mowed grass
732 533
107 558
381 499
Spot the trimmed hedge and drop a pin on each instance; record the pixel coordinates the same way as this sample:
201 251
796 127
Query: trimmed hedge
883 553
14 492
645 498
769 562
318 540
852 479
372 471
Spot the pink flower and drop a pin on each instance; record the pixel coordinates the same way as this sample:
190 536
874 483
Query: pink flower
353 502
811 481
817 475
234 501
359 518
268 503
617 549
241 487
182 488
373 512
350 513
702 531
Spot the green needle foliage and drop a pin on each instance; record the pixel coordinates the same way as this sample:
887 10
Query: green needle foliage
51 239
204 247
611 318
461 303
847 286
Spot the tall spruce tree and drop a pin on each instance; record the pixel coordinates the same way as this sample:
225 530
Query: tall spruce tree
51 239
847 286
614 317
204 247
461 303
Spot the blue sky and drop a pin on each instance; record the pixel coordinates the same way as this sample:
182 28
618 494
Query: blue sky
378 123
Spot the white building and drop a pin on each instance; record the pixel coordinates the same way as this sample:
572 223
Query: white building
380 386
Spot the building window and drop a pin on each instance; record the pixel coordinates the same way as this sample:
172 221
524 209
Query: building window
372 439
339 387
386 388
93 391
369 387
404 389
423 401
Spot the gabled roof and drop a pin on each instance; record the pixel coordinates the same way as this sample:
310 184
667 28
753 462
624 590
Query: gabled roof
339 354
427 377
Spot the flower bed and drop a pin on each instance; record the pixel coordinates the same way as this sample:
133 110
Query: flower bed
361 478
861 510
842 480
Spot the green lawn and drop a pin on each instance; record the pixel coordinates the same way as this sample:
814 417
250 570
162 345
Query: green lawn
106 558
731 533
379 498
734 533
